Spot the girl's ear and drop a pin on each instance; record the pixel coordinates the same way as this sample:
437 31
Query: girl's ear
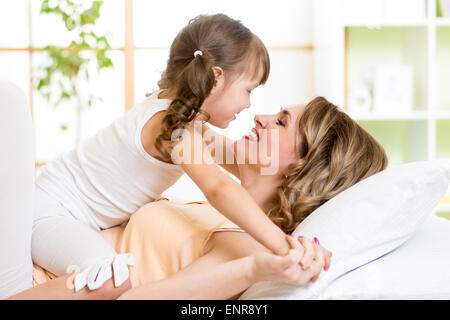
219 79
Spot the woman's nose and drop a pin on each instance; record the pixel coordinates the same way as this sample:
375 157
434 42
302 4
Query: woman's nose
260 120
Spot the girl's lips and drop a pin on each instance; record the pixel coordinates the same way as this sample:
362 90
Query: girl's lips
253 135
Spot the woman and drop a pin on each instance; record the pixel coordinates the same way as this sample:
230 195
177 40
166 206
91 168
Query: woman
192 252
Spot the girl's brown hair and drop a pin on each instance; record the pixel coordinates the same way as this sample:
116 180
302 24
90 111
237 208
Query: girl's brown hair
335 153
188 79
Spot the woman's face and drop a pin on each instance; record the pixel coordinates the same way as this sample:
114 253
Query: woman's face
272 144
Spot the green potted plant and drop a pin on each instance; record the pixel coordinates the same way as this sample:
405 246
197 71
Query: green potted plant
68 66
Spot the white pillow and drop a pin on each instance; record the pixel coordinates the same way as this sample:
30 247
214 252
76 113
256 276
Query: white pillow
419 269
366 221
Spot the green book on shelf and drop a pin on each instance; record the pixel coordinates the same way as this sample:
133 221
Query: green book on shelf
442 8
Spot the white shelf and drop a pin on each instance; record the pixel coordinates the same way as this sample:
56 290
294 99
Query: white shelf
421 42
443 115
370 116
442 21
415 115
379 23
356 39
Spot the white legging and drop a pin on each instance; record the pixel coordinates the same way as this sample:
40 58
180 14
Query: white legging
16 190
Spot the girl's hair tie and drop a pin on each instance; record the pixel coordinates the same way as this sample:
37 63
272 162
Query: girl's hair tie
198 52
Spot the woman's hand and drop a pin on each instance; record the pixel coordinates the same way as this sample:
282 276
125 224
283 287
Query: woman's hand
326 253
302 264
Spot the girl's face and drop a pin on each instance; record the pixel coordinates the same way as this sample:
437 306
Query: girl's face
228 98
272 144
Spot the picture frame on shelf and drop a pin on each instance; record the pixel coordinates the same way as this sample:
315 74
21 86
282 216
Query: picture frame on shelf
393 89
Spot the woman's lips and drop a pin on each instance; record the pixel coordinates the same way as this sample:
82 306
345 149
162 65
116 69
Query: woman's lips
257 133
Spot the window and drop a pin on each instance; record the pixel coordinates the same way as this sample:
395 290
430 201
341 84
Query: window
141 33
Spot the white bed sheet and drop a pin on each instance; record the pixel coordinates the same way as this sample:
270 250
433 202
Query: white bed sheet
419 269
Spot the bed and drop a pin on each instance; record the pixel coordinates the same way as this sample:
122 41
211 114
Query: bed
386 240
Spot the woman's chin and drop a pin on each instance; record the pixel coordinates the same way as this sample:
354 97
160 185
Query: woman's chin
247 158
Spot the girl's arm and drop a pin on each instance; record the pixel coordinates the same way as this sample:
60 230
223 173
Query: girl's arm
225 194
227 151
214 276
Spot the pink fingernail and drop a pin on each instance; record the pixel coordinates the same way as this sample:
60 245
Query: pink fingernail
316 241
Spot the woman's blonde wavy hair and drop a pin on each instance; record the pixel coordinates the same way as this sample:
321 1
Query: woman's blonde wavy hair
335 153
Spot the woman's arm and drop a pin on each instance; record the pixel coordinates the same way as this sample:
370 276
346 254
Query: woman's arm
214 276
206 278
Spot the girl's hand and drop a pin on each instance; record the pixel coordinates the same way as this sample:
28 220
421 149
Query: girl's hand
302 264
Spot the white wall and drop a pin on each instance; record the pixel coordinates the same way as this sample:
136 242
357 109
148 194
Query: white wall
281 23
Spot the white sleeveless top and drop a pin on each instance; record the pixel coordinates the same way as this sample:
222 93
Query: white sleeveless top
110 175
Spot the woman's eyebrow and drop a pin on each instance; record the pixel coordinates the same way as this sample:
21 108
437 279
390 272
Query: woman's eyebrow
284 112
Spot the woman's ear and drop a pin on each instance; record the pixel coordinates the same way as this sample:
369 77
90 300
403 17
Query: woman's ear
219 79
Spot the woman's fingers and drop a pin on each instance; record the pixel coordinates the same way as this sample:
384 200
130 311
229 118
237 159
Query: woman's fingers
326 253
309 254
286 268
318 263
312 273
327 256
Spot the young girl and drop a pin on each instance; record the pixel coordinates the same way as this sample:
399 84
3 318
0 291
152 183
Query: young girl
215 62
